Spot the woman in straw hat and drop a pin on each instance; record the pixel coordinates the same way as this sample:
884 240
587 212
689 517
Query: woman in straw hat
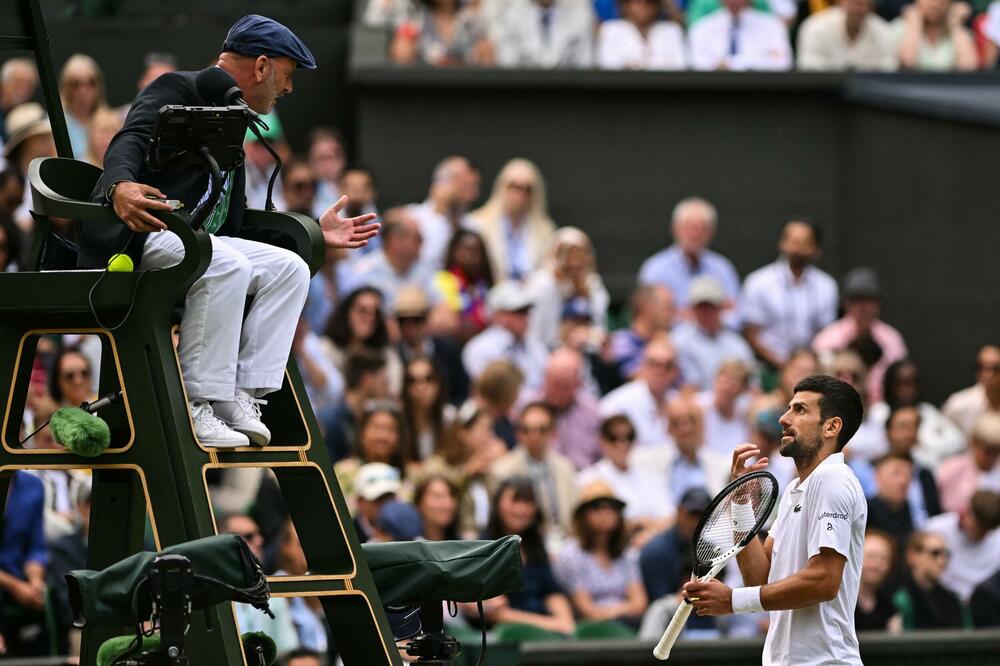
597 568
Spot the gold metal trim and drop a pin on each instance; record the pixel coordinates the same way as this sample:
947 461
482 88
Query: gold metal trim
135 468
345 593
354 562
121 382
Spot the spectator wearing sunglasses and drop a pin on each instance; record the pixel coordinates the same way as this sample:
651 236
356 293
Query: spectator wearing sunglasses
298 183
552 474
973 537
412 310
69 382
922 600
965 406
81 87
647 506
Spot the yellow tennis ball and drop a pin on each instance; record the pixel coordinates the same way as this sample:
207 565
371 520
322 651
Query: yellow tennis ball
121 263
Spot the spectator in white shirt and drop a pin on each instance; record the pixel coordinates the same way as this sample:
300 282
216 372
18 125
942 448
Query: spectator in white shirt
738 37
693 226
687 463
515 222
571 273
508 337
966 406
398 263
974 541
545 33
454 187
648 507
725 407
642 399
784 304
704 343
639 40
847 36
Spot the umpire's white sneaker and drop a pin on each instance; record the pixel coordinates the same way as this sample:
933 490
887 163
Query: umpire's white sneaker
243 415
211 431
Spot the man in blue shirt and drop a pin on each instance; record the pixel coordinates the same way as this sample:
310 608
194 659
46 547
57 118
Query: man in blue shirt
23 557
693 228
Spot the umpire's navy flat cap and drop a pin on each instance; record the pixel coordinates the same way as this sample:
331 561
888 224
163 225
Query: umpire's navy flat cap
255 35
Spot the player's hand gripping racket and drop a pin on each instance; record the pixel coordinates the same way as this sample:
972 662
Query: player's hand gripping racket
733 518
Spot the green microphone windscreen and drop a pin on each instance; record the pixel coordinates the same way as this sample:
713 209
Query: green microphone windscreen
113 647
82 433
251 640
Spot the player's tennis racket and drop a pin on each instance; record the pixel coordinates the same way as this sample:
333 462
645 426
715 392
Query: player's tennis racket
733 518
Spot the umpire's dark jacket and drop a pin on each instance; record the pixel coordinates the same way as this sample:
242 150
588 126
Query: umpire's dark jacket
126 160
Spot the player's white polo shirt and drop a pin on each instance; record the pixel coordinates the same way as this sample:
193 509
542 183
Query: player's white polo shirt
827 510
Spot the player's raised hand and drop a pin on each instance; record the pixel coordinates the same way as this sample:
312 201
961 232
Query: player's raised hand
713 597
350 232
743 453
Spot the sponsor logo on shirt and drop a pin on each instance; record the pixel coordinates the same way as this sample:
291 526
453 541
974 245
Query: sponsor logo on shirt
834 514
798 507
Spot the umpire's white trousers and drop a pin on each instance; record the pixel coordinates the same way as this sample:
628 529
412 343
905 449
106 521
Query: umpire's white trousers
219 350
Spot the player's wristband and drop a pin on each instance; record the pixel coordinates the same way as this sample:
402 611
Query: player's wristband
743 517
747 600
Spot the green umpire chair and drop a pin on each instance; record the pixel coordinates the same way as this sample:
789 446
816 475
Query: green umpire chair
154 462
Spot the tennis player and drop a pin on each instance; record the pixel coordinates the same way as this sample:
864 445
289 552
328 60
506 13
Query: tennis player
807 571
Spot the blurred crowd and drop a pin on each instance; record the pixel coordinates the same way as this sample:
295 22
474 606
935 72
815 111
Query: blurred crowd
472 380
707 35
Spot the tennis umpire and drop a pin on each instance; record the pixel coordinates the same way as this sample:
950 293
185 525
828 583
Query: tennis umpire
807 571
228 363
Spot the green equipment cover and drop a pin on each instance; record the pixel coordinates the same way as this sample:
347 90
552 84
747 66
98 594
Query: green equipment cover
410 573
223 567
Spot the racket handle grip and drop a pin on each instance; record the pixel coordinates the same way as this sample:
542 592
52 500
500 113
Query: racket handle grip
662 649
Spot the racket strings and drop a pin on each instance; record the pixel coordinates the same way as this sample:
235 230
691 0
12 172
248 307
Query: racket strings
731 520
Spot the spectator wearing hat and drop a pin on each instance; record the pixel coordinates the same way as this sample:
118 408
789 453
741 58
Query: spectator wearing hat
597 568
725 406
648 508
960 476
847 36
18 82
966 406
376 484
643 399
693 225
686 462
652 312
29 135
454 187
576 409
570 273
703 343
972 538
861 329
397 264
508 336
260 164
399 521
225 375
551 473
665 562
784 304
411 311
